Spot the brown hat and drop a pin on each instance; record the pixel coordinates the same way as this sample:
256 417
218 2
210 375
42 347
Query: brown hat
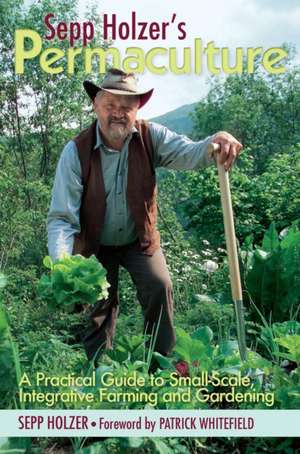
118 82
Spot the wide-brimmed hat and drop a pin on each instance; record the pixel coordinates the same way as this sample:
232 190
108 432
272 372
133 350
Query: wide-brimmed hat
118 82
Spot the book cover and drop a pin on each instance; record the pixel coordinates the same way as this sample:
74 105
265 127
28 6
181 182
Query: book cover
77 375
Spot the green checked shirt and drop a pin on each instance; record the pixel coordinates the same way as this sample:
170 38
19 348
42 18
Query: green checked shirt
171 150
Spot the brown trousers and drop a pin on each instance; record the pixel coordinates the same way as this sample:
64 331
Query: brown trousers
154 292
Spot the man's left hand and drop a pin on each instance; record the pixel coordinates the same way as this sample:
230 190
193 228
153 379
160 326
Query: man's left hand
230 148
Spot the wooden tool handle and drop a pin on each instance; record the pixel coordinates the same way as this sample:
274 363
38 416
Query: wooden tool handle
235 279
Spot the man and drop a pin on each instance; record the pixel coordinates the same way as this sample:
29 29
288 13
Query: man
104 202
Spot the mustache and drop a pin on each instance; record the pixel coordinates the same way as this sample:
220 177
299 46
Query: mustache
121 121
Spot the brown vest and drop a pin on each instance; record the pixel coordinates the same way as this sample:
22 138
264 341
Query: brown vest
141 191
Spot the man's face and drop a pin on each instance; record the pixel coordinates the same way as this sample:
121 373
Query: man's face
116 114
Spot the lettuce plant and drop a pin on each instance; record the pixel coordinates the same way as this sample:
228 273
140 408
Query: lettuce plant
73 280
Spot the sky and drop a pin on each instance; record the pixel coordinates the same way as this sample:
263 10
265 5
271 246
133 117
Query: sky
231 23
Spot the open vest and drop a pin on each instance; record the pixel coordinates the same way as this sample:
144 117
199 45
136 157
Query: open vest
141 191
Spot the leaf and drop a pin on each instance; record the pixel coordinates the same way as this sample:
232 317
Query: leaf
292 344
131 442
15 445
230 370
96 448
164 362
183 344
198 350
80 285
228 348
9 358
271 241
204 334
161 447
130 344
248 243
286 328
261 255
189 349
47 262
73 280
3 280
292 238
273 275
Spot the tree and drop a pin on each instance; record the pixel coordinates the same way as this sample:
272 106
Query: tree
40 112
261 111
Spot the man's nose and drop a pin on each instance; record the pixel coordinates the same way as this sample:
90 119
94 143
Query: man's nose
117 112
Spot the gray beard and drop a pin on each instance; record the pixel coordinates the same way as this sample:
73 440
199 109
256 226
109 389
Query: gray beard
118 132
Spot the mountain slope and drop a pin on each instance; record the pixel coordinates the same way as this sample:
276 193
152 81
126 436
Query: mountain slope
178 120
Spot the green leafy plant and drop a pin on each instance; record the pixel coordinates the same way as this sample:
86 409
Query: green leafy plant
10 368
195 348
266 335
15 445
272 274
292 345
73 280
210 310
128 445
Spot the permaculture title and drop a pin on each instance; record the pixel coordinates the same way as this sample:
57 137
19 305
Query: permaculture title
157 60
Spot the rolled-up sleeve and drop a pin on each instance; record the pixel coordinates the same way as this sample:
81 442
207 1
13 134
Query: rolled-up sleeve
178 152
63 216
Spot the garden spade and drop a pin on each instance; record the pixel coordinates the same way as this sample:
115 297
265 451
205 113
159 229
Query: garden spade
234 270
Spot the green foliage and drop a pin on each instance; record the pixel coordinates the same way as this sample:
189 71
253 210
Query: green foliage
266 336
287 328
204 310
128 348
260 111
286 388
3 280
272 274
292 345
40 113
194 348
126 445
73 280
15 445
8 359
257 199
10 368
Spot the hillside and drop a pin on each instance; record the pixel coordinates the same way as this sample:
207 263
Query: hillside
178 120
